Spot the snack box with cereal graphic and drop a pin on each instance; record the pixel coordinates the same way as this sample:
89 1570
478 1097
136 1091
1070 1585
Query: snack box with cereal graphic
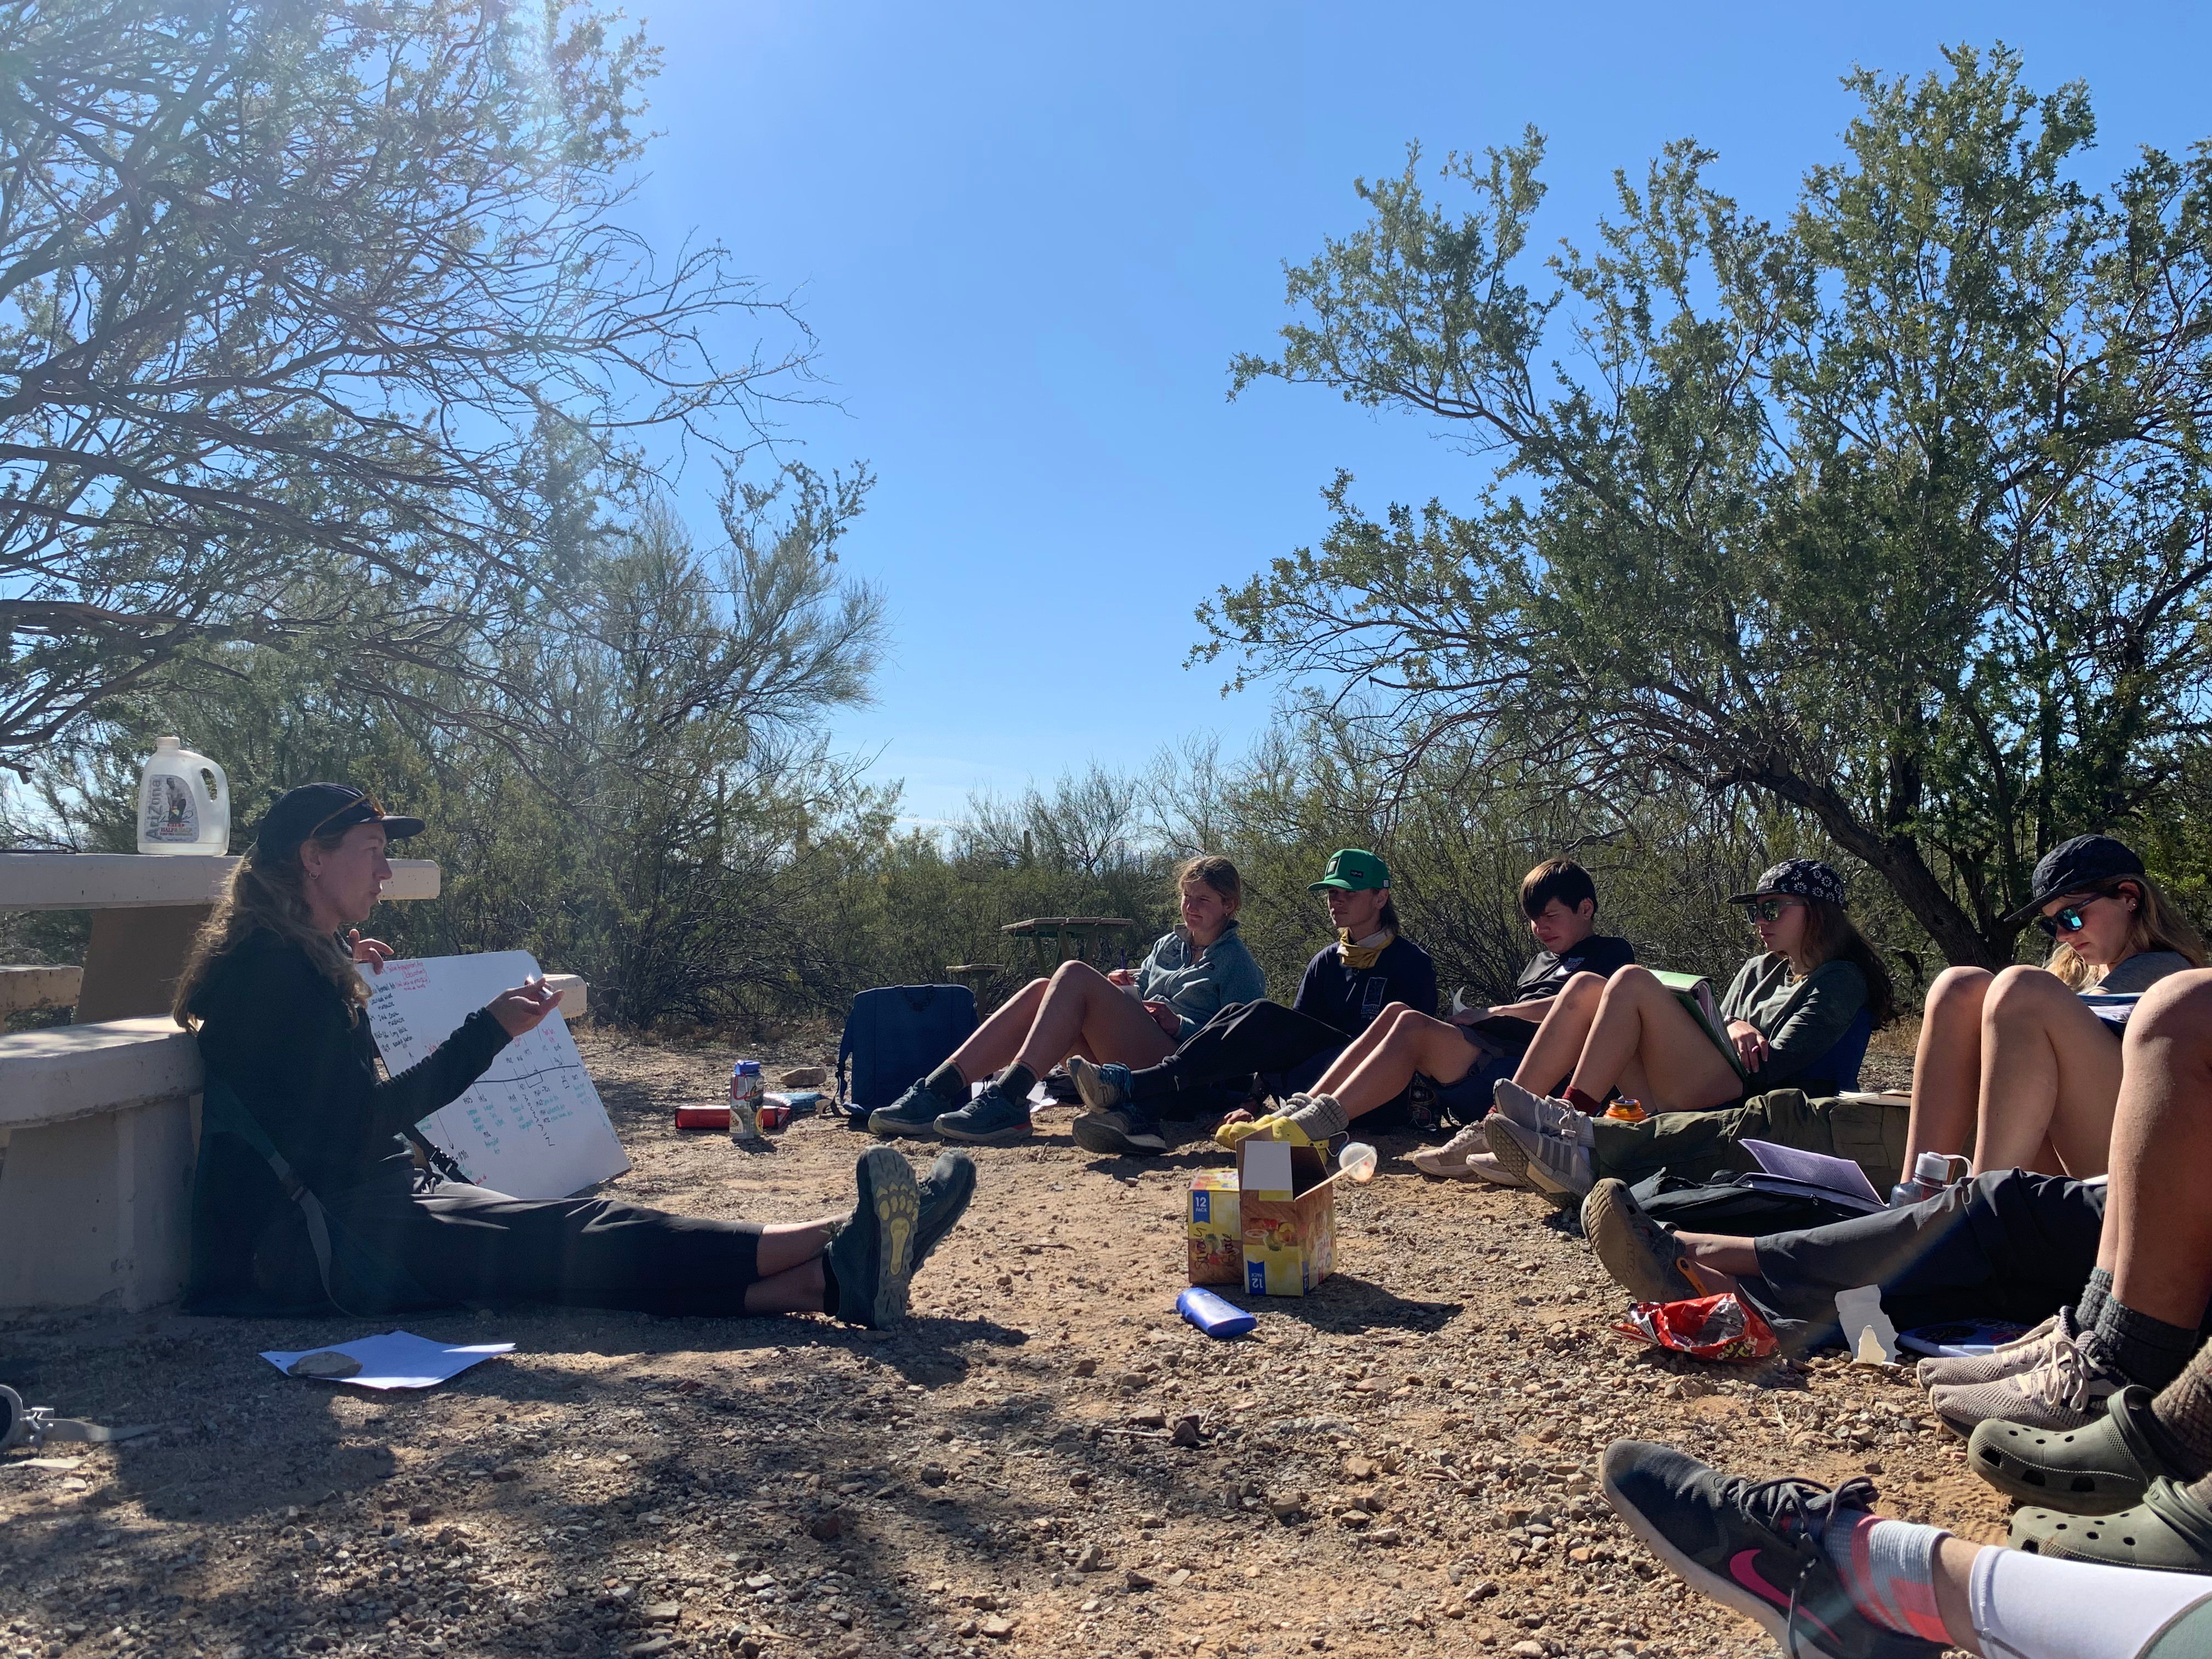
1214 1229
1287 1200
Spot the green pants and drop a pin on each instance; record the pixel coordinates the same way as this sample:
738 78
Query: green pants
1701 1146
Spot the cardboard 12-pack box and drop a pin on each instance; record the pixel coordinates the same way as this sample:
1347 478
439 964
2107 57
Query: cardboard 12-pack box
1214 1230
1287 1205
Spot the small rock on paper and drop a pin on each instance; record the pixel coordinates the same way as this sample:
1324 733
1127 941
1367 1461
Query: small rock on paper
398 1359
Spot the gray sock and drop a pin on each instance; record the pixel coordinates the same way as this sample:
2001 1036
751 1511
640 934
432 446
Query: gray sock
2092 1298
946 1084
1320 1116
2141 1348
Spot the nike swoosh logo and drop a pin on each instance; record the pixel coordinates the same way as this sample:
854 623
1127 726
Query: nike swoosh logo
1741 1570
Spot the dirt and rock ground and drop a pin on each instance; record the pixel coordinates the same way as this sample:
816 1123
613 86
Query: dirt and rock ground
1399 1464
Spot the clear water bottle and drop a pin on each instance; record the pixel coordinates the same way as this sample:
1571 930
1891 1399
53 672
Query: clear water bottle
745 1091
184 802
1932 1173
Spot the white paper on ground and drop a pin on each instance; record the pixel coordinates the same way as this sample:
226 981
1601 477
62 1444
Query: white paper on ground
1038 1095
1868 1332
398 1359
532 1126
1816 1168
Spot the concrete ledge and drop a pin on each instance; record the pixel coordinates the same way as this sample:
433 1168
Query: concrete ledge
41 986
128 881
68 1072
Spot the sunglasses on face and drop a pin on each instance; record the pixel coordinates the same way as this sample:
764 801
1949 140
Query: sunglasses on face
1771 909
2068 921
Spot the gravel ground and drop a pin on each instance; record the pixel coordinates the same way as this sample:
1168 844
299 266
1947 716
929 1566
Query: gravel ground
1399 1464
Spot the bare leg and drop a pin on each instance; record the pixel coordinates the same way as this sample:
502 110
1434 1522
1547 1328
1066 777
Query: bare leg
1646 1042
996 1042
1947 1065
790 1260
1954 1571
1372 1074
2157 1239
1559 1041
2051 1072
1081 1007
1719 1259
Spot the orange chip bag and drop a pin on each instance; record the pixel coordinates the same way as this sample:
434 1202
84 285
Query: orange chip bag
1709 1328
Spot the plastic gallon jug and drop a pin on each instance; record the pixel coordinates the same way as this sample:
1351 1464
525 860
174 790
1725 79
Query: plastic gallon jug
184 802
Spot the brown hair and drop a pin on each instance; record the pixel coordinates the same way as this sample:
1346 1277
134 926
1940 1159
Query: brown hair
2157 926
1830 934
270 899
1217 872
1556 879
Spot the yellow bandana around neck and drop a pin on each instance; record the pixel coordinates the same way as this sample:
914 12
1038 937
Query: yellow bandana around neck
1360 958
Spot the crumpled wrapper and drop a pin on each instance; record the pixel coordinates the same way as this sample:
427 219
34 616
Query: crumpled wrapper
1720 1327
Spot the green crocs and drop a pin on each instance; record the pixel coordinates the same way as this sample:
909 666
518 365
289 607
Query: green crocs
2170 1531
2101 1469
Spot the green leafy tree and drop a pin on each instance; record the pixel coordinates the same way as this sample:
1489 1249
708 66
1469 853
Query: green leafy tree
289 293
1895 515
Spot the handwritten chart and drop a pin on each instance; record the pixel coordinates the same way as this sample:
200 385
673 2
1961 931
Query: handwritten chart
532 1126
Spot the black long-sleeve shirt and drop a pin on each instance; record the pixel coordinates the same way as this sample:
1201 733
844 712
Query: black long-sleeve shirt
281 1036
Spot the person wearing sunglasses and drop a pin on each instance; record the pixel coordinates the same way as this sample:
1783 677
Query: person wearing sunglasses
315 1189
2014 1064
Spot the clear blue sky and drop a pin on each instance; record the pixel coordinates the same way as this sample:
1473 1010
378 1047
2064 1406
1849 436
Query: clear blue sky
1030 237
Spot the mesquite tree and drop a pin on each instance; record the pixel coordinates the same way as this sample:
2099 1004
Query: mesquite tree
1896 514
290 293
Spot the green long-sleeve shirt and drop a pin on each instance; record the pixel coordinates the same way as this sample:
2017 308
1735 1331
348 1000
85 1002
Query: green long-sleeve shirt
1800 1018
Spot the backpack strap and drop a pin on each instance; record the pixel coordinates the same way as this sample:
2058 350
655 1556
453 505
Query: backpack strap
221 1112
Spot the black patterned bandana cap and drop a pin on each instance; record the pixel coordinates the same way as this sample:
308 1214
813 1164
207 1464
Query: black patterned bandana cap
1807 879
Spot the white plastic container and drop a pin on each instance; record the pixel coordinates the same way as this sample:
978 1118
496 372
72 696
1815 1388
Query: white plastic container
184 802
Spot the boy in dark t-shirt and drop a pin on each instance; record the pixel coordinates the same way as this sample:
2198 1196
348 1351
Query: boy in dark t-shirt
1345 986
1560 901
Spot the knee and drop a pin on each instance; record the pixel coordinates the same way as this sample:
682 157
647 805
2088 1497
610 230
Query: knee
2177 1007
1630 981
1957 990
1077 973
1394 1012
1586 988
2023 992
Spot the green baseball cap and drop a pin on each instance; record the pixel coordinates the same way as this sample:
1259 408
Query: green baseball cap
1354 871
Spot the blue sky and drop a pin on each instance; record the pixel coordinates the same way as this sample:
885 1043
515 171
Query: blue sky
1031 237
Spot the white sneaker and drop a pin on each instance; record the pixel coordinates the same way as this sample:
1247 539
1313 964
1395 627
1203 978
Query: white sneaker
1541 1114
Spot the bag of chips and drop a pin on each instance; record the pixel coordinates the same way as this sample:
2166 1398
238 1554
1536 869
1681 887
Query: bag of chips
1709 1328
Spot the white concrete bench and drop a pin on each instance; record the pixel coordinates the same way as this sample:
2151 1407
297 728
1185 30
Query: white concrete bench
99 1130
96 1174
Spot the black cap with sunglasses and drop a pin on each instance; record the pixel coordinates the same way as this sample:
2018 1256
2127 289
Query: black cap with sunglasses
2080 865
321 809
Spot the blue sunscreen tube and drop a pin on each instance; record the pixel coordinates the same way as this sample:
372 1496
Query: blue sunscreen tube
1214 1314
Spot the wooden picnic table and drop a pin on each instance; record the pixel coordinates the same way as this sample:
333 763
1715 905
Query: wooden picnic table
1060 930
146 907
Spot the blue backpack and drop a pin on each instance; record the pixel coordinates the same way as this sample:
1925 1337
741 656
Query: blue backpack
897 1033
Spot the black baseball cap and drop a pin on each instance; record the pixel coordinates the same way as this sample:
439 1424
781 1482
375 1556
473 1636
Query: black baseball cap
322 809
1797 879
2075 866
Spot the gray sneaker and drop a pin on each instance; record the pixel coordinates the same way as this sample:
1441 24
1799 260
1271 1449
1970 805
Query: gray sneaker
1551 1166
2023 1353
2067 1391
994 1118
1103 1088
1635 1249
912 1115
1539 1113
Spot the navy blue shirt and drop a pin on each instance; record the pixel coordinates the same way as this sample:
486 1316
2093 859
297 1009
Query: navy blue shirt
1349 998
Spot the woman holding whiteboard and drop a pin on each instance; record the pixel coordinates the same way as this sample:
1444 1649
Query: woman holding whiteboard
308 1193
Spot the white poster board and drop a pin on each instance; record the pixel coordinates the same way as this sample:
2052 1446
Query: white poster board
532 1126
